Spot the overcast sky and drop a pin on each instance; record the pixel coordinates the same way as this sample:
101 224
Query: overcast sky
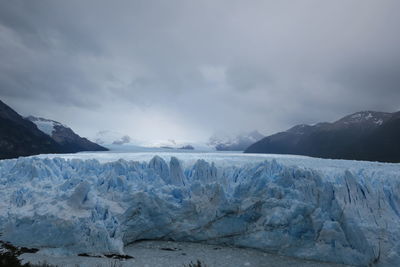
186 69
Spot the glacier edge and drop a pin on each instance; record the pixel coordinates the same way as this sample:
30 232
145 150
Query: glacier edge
84 206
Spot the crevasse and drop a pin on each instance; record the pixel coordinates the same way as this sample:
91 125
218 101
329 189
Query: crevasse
83 206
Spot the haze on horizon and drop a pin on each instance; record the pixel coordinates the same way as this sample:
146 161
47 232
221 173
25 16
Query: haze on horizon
183 70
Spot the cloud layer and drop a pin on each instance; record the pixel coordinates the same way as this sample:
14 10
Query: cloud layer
187 69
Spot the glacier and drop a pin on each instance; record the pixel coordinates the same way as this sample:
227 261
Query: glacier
329 210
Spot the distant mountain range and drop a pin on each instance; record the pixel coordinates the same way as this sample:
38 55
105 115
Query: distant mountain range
234 143
221 142
366 135
22 137
107 137
120 141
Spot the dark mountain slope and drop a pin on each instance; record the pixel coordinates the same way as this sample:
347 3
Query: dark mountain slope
20 137
364 135
384 142
69 141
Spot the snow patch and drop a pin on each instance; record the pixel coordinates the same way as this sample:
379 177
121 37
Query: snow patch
45 125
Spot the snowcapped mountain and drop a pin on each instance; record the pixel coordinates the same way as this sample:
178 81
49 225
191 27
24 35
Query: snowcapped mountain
20 137
224 142
365 119
65 136
365 135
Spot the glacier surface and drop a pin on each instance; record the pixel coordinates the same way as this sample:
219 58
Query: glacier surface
330 210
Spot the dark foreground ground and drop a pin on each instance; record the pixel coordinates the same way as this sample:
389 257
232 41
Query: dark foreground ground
171 254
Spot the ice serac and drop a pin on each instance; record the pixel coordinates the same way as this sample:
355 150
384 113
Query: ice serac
344 215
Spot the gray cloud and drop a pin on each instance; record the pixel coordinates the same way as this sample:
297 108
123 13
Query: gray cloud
244 78
47 25
183 70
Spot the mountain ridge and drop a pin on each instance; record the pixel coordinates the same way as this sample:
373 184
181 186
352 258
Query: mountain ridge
22 137
65 136
364 135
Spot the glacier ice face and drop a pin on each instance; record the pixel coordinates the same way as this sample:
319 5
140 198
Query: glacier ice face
339 211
